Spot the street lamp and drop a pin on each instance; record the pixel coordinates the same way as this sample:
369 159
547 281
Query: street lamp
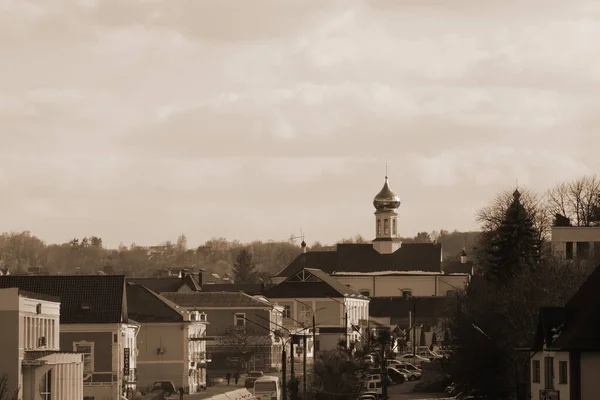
283 352
314 337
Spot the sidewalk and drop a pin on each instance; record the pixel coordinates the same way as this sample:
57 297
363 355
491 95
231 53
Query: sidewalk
219 388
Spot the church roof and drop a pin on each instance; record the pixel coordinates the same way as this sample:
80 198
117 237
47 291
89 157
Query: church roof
363 258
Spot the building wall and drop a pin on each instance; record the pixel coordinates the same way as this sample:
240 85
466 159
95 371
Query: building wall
563 388
9 345
166 366
590 366
223 318
578 236
393 285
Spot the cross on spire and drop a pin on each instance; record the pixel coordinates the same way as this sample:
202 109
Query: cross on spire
386 170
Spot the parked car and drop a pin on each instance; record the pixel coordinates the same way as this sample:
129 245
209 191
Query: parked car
412 375
377 377
368 396
166 386
413 359
408 366
251 377
396 376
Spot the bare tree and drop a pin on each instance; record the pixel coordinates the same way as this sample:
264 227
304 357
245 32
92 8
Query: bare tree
5 392
578 200
243 341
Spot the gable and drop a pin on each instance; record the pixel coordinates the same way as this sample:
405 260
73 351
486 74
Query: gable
311 282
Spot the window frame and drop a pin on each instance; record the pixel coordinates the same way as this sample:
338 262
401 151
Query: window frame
563 372
363 291
536 374
238 316
549 373
90 354
287 311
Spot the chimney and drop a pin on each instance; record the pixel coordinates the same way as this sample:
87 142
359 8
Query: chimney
182 273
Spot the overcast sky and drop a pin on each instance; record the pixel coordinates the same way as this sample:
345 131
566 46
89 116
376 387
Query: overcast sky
140 120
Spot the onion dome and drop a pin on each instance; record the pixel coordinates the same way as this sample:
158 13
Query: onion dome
386 199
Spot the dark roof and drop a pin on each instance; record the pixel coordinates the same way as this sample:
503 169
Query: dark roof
582 329
550 324
311 282
401 307
252 289
167 284
456 267
199 300
362 258
104 294
145 305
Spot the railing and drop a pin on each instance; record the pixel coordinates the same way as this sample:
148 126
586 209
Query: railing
100 378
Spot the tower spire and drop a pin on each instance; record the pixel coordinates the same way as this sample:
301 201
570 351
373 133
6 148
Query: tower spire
386 171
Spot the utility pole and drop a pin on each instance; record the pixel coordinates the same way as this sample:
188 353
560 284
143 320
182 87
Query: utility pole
414 321
304 362
292 373
346 323
283 369
314 337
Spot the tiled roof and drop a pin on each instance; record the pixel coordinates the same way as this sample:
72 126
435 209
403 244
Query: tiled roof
104 294
252 289
167 284
456 267
400 307
323 286
198 300
352 257
145 305
582 330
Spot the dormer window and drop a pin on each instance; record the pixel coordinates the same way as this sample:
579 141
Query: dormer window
194 316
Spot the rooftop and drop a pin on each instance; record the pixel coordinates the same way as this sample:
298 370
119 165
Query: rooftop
363 258
85 299
200 300
311 282
145 305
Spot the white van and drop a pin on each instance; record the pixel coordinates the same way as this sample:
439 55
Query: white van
267 388
374 386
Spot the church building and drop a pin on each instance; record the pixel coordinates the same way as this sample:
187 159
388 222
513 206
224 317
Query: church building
386 267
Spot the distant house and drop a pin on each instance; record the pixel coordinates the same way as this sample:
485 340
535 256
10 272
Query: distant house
341 313
171 341
248 323
31 355
93 321
253 289
184 282
577 243
565 358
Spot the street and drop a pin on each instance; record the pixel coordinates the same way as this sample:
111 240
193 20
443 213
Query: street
395 392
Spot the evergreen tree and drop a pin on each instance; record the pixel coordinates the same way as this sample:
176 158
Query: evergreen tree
513 245
244 270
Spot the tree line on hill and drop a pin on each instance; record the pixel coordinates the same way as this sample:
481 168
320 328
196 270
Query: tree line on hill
22 252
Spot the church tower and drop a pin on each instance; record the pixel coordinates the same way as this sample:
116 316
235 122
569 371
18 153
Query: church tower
386 226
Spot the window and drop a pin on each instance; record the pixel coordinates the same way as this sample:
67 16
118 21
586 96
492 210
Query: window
203 317
87 349
535 373
46 385
365 292
287 311
583 250
305 314
386 226
394 226
549 372
379 227
563 372
239 320
406 292
569 250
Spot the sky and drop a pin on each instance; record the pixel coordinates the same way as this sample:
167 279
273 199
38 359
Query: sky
140 120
